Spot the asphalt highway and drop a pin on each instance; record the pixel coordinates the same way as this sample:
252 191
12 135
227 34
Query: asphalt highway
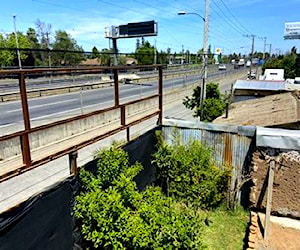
78 102
56 107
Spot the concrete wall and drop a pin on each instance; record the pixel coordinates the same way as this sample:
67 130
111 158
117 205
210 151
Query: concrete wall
107 120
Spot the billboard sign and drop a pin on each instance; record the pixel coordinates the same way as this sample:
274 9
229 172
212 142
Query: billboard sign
292 30
148 28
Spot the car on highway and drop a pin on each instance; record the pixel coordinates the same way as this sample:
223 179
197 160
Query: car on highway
222 67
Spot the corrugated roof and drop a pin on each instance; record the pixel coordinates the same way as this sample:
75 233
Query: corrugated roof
278 138
260 85
272 110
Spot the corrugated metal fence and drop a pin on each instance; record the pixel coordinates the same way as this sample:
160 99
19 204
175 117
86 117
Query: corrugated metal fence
231 145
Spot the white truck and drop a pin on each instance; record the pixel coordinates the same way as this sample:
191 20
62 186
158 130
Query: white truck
273 75
241 62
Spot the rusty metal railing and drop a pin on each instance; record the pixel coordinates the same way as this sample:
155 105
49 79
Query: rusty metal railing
28 163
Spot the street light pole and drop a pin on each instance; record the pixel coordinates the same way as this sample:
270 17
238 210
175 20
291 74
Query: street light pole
17 43
205 56
205 52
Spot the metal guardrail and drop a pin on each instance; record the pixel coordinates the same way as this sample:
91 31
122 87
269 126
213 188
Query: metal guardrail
23 135
9 96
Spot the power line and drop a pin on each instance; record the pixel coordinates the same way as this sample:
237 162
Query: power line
230 23
235 17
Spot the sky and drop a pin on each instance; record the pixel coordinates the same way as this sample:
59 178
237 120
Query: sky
231 22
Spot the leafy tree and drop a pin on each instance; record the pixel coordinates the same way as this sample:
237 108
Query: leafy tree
212 108
213 105
34 57
287 62
115 215
188 173
162 57
63 41
10 42
44 32
6 56
95 53
122 60
33 38
145 54
106 57
210 54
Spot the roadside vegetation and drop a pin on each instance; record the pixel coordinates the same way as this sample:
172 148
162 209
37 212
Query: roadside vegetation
181 211
226 229
213 105
290 62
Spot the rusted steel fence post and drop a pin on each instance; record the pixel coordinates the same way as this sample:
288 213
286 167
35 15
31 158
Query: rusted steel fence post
160 94
25 137
116 87
123 121
73 163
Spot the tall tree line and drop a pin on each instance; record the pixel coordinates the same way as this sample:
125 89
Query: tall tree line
40 46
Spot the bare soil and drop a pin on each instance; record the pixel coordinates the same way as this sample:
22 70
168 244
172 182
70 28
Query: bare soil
286 191
280 238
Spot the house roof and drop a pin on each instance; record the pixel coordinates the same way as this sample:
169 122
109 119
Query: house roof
259 85
91 61
265 85
271 110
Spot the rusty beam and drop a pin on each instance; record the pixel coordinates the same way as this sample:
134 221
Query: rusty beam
227 149
84 69
116 87
160 94
26 154
75 118
123 113
73 163
128 134
44 160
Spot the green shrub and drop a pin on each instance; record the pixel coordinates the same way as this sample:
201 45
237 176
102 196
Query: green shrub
188 173
213 105
114 215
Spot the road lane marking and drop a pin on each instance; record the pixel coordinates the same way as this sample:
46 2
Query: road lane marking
41 105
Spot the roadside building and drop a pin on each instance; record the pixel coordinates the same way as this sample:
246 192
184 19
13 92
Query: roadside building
91 62
246 89
277 111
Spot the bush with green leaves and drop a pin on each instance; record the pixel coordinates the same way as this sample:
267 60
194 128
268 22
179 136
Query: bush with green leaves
114 215
213 105
188 173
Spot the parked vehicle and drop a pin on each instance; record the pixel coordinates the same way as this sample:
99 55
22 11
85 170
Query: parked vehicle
241 62
222 67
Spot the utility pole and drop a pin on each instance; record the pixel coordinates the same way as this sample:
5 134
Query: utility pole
182 51
270 49
205 57
252 51
155 52
265 43
48 47
17 43
114 42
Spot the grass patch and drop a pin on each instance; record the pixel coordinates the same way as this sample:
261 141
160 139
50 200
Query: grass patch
226 229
